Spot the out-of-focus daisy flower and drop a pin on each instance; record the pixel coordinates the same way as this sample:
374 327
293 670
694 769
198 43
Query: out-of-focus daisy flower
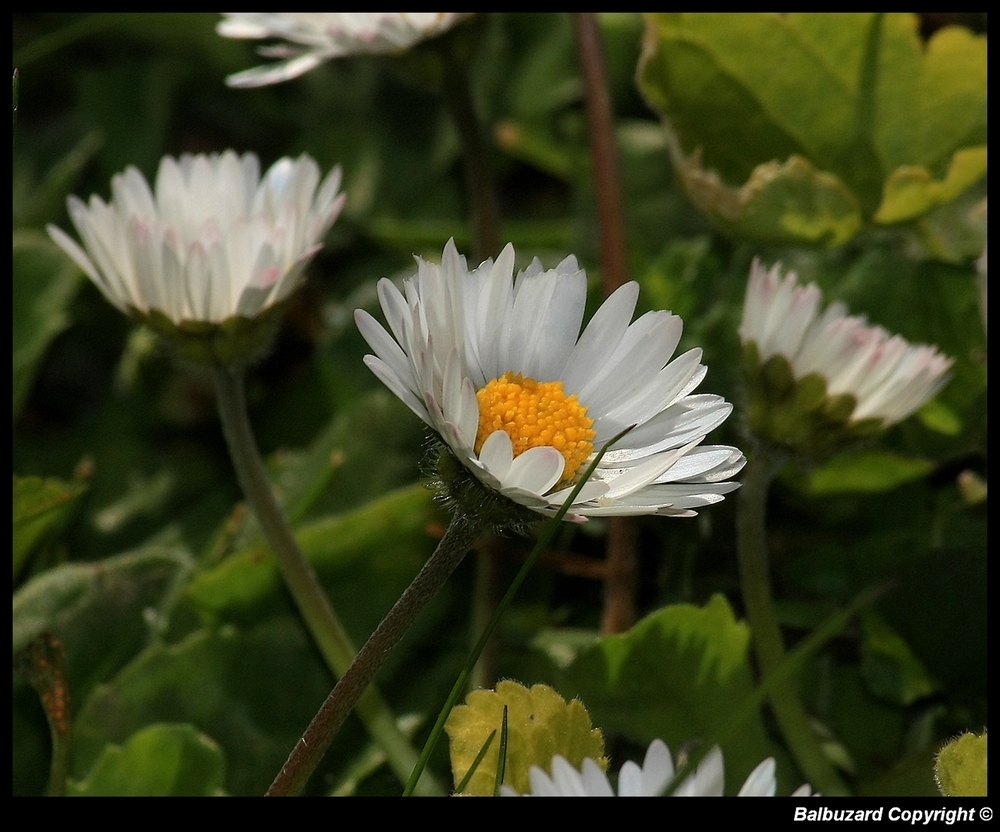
314 37
213 246
816 378
648 780
499 369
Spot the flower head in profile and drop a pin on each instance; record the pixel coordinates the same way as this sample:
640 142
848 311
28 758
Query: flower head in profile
648 780
819 378
310 38
209 252
499 369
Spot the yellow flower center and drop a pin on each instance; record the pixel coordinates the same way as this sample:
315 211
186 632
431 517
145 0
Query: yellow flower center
535 413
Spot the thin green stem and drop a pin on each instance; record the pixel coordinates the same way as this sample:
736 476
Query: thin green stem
317 738
311 600
755 580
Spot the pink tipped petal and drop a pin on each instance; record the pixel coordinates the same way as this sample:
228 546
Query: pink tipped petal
212 240
854 357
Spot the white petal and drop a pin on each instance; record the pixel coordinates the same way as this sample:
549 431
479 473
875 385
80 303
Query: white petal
196 247
594 780
392 381
497 454
384 347
630 780
601 336
761 782
657 768
536 470
707 780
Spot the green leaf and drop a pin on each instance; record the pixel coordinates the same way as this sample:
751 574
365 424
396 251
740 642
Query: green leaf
843 119
157 761
670 677
536 146
365 558
360 455
253 692
41 508
104 613
865 726
45 281
888 665
960 767
867 472
781 203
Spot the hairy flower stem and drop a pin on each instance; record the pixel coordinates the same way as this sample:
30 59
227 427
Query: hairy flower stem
307 592
621 561
317 738
755 579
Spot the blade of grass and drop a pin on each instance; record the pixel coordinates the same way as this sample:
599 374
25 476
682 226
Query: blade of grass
502 756
477 761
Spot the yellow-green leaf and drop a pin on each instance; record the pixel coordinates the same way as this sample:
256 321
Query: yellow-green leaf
804 127
540 724
911 190
960 767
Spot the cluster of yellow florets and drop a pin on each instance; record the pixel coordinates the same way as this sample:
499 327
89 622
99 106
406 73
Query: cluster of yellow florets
535 413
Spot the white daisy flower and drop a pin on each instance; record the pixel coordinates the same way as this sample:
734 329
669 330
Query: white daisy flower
648 780
214 240
888 377
314 37
499 369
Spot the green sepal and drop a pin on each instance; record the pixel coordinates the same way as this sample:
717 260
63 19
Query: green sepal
462 491
799 415
236 341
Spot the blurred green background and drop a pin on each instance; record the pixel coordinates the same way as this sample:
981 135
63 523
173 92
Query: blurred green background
128 543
